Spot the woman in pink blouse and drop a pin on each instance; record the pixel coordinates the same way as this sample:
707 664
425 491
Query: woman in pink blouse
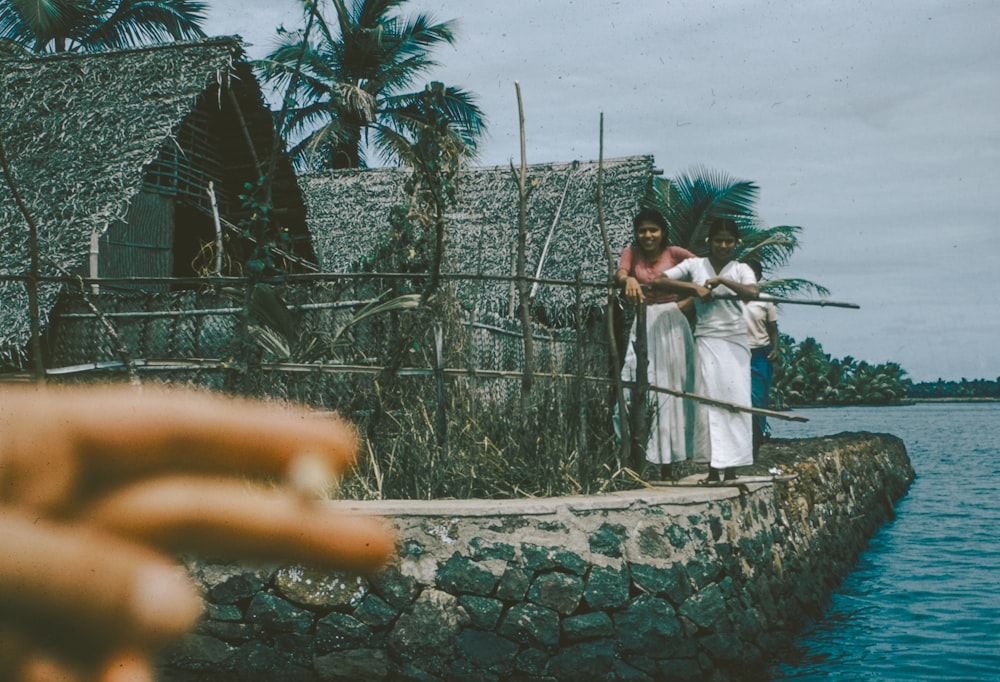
669 340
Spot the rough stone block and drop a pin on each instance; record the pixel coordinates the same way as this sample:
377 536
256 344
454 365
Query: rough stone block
430 628
531 624
538 558
623 672
482 549
607 587
461 575
396 588
277 615
583 662
513 584
707 608
587 626
234 633
560 592
350 666
722 646
608 539
258 661
223 612
337 631
308 586
653 544
483 611
375 612
669 581
532 661
703 571
236 589
487 651
198 652
681 670
648 624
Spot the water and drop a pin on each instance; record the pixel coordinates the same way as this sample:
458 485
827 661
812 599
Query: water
923 603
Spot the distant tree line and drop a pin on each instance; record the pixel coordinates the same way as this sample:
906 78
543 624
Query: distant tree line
966 388
805 375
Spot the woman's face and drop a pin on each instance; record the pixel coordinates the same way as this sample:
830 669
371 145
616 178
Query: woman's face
649 237
722 245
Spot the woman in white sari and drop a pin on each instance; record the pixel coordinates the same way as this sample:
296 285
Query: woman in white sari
721 347
668 336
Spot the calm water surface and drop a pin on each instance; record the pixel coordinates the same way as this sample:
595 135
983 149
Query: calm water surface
923 603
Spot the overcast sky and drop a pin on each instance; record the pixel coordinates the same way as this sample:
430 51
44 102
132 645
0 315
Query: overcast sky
873 124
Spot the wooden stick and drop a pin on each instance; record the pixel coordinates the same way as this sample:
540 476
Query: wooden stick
214 363
796 301
522 241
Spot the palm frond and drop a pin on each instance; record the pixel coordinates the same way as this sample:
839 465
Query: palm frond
793 286
135 22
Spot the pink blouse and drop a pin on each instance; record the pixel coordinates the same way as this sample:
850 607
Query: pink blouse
633 262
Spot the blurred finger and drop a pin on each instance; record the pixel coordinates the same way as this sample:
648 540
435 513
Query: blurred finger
80 589
233 520
126 666
120 432
22 661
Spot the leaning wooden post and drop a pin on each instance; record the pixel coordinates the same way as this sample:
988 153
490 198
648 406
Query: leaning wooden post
527 379
639 418
610 310
583 456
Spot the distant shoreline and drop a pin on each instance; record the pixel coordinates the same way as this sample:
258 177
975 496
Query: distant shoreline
901 403
984 399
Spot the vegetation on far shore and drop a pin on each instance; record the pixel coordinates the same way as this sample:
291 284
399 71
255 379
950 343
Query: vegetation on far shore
805 376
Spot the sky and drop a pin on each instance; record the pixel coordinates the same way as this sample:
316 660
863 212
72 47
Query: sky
872 124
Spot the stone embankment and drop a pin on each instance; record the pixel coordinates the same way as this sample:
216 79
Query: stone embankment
683 582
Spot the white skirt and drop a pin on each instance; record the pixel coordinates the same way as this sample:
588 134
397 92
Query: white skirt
671 365
724 374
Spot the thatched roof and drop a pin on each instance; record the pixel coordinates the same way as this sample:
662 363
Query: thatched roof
347 212
80 130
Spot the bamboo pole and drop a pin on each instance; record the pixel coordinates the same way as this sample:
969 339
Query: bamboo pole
441 419
217 269
582 453
304 278
548 239
609 311
216 363
794 301
639 418
522 246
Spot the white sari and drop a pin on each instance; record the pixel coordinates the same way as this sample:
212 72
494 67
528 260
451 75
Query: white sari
723 357
671 365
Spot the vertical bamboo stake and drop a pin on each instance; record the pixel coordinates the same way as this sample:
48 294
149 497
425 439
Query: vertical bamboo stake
583 455
94 261
639 417
522 244
609 312
217 269
34 272
441 420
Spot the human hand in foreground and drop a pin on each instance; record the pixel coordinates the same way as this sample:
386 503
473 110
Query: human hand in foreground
101 487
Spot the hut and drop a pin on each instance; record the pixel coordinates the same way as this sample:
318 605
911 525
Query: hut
348 213
131 164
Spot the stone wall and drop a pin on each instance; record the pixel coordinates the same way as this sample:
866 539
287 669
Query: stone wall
683 582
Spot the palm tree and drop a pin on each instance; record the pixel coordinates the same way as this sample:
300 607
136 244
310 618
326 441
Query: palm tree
343 84
34 26
694 200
